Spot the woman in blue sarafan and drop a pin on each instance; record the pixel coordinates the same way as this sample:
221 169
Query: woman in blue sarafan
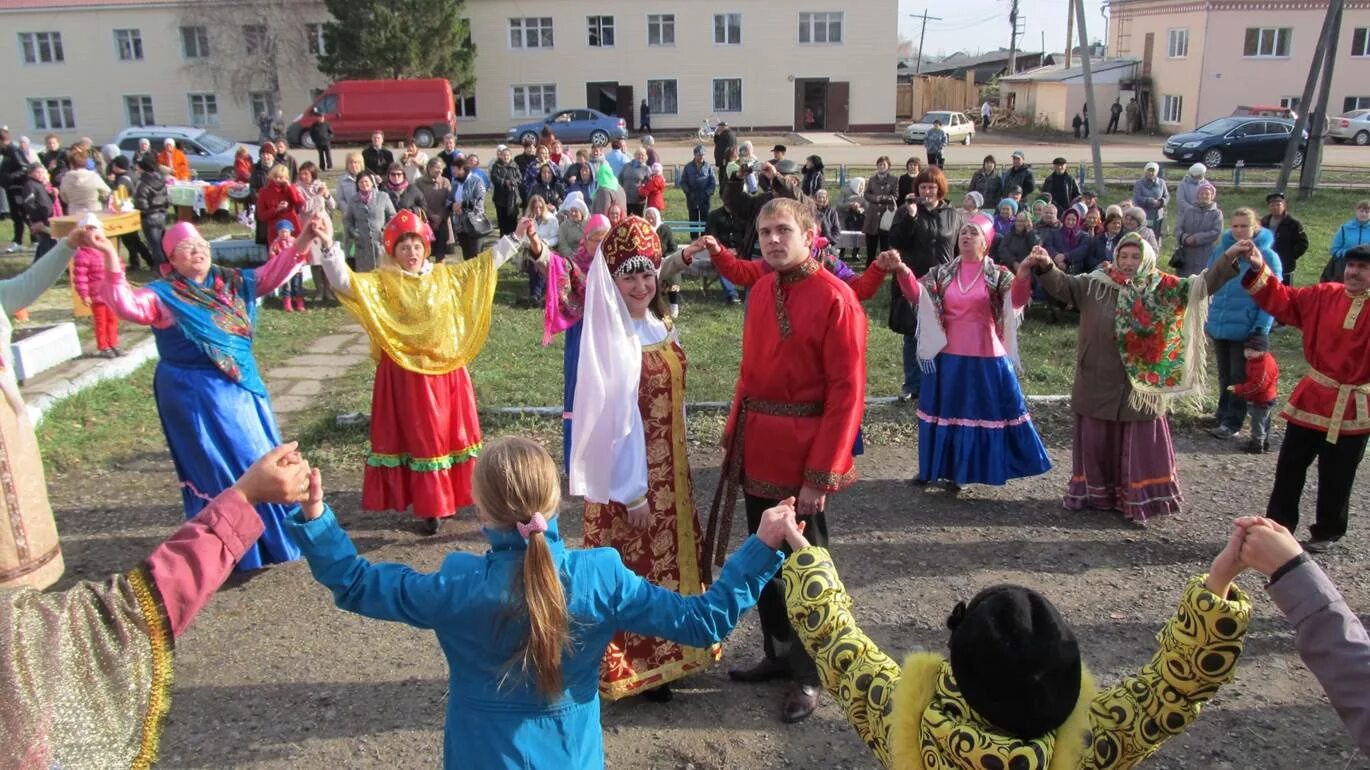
213 405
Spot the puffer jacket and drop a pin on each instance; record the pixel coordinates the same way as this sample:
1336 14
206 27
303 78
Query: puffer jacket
1186 194
1013 247
989 184
1021 176
87 272
151 197
1205 223
1349 236
915 716
1233 315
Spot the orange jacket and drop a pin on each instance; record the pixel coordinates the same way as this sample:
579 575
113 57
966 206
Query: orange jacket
175 160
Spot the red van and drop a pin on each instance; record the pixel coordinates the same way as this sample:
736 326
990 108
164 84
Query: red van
422 109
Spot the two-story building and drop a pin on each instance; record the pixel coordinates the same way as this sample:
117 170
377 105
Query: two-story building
1207 57
93 67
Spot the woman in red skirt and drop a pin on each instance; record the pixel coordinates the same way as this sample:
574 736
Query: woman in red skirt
426 322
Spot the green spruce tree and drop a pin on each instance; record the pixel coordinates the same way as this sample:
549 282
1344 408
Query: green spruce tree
398 39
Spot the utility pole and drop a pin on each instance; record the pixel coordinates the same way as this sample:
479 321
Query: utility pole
1070 32
922 35
1013 39
1312 158
1302 121
1089 94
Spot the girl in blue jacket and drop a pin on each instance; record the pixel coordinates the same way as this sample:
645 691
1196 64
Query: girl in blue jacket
1353 233
524 627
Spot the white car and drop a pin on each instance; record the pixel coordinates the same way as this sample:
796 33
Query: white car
959 128
1353 126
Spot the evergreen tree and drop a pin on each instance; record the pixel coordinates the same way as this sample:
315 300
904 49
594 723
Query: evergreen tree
398 39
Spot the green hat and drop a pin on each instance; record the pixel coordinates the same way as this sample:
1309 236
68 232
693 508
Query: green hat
606 179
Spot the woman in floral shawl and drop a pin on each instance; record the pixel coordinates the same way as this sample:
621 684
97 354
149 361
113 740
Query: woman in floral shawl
1141 343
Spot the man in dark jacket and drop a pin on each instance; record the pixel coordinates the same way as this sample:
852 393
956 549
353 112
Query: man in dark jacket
121 182
152 203
745 207
1290 240
724 139
12 180
506 187
322 134
54 159
729 230
1020 174
35 205
524 159
698 182
644 117
376 157
1060 185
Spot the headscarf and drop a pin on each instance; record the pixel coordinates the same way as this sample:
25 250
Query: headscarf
652 216
1158 324
1206 185
575 200
605 179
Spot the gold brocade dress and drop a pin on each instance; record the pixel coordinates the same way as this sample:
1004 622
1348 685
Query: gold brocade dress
668 552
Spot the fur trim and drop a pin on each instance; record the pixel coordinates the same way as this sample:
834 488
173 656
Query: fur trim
912 695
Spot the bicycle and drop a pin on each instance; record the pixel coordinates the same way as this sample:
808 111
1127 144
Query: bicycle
707 129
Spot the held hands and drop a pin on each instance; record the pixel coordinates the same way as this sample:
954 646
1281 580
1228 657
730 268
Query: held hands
525 229
1268 546
811 501
706 243
777 523
890 262
312 507
279 476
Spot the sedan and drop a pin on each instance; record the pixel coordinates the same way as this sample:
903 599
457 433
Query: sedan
1253 140
959 128
580 125
1353 126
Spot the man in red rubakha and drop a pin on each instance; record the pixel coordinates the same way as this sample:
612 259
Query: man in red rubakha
800 397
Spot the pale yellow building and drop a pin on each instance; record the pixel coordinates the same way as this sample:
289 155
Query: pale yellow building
1052 96
1207 57
94 67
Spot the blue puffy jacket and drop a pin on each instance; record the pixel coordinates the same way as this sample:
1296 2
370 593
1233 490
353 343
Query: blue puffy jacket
1234 315
1349 236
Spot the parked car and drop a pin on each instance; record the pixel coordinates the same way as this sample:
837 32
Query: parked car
420 108
578 125
959 128
1264 111
1227 140
1352 126
210 155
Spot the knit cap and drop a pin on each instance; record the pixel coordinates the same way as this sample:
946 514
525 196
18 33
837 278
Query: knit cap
977 198
1011 203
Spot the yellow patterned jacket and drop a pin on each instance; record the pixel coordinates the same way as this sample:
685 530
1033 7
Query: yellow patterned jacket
914 717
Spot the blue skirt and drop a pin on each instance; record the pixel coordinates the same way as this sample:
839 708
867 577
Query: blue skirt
973 424
570 360
215 431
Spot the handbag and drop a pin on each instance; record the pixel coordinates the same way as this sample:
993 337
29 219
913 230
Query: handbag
1177 259
886 220
478 222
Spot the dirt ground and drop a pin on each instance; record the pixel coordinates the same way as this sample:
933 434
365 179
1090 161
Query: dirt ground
272 676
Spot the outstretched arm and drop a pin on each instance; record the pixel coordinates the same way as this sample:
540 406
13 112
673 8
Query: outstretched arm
24 289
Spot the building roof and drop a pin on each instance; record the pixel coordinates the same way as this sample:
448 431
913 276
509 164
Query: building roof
76 5
1055 74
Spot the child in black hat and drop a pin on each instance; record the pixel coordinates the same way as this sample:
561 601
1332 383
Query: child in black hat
1014 691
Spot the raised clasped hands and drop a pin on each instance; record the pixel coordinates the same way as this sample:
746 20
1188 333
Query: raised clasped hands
280 476
890 262
705 243
778 526
1255 543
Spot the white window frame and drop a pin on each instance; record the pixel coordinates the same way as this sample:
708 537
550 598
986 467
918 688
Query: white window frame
1177 43
811 21
598 25
138 110
521 27
459 100
1292 102
206 100
128 44
543 90
200 35
33 44
1356 103
726 17
1172 108
1364 34
662 22
314 39
253 45
1271 35
65 113
713 94
657 102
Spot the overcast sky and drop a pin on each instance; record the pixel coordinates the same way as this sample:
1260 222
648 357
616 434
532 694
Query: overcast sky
982 25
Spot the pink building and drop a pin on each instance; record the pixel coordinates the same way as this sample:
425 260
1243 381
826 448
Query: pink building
1206 57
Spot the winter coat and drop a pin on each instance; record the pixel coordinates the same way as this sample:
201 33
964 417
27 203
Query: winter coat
36 204
698 182
915 715
1349 236
506 186
83 189
906 188
151 197
653 193
322 134
268 206
569 235
724 139
586 189
934 140
552 192
87 273
257 179
365 223
1021 176
472 201
1291 242
829 226
989 184
1091 252
923 242
745 206
605 199
880 197
631 178
813 181
1262 384
1059 240
1186 194
1233 315
1013 247
1152 196
725 227
377 161
1062 188
1205 223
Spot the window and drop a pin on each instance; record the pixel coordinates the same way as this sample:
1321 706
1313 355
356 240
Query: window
194 42
255 41
139 110
1267 42
1179 44
601 31
1360 41
52 114
1172 107
42 47
313 34
534 101
1292 102
263 102
1355 103
661 29
727 94
530 33
130 44
204 110
466 104
661 97
820 27
727 29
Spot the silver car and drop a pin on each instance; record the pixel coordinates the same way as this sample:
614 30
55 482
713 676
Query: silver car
959 128
1353 126
210 155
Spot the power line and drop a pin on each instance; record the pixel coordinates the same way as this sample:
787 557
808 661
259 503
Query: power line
921 35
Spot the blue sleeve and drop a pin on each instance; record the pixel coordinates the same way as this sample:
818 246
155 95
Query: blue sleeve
696 621
1339 245
381 591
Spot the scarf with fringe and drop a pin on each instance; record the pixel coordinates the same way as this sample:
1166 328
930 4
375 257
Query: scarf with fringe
932 336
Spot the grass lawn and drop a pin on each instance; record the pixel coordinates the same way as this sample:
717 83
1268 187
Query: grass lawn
117 420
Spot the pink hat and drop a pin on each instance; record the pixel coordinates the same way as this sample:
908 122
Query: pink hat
597 222
177 233
986 226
